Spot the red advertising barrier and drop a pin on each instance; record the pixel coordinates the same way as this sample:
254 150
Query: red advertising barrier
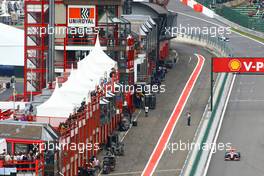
198 7
238 65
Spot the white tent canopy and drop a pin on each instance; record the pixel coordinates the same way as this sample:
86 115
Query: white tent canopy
81 81
55 105
11 39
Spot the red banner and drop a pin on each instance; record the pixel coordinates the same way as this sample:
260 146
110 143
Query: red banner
238 65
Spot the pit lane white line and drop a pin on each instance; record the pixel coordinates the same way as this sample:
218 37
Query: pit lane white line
245 101
246 83
125 134
210 22
1 91
220 125
244 91
138 172
177 60
172 121
130 126
190 59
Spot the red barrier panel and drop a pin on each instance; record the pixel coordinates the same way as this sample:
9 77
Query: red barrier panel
198 8
1 163
185 2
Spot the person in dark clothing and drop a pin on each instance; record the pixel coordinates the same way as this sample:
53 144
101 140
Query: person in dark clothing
189 119
130 116
31 108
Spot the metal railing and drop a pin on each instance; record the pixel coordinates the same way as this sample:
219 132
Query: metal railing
35 166
214 42
90 41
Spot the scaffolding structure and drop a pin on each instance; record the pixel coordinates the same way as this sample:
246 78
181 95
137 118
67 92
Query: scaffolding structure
36 46
40 46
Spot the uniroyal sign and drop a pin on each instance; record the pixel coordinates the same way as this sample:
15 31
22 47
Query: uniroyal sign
238 65
81 16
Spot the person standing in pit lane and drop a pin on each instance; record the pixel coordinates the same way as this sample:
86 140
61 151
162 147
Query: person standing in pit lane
189 119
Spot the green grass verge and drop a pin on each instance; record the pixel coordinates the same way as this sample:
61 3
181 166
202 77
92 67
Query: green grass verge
249 35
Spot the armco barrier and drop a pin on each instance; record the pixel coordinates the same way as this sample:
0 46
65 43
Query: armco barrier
216 46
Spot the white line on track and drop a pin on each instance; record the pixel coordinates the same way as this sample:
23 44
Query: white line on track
177 60
138 114
190 59
246 101
194 138
220 125
125 134
131 126
159 150
138 172
247 83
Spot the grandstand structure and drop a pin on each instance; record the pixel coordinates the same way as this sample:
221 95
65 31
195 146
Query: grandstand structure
249 14
249 10
246 15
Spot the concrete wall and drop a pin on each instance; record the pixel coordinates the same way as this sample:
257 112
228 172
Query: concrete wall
60 14
60 18
59 56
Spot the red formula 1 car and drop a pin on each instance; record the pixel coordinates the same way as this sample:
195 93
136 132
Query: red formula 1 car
232 155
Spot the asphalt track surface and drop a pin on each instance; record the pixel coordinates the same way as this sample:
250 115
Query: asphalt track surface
141 140
163 143
243 127
243 121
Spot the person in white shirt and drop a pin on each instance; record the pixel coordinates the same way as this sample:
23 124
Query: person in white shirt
8 158
15 157
146 111
96 163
